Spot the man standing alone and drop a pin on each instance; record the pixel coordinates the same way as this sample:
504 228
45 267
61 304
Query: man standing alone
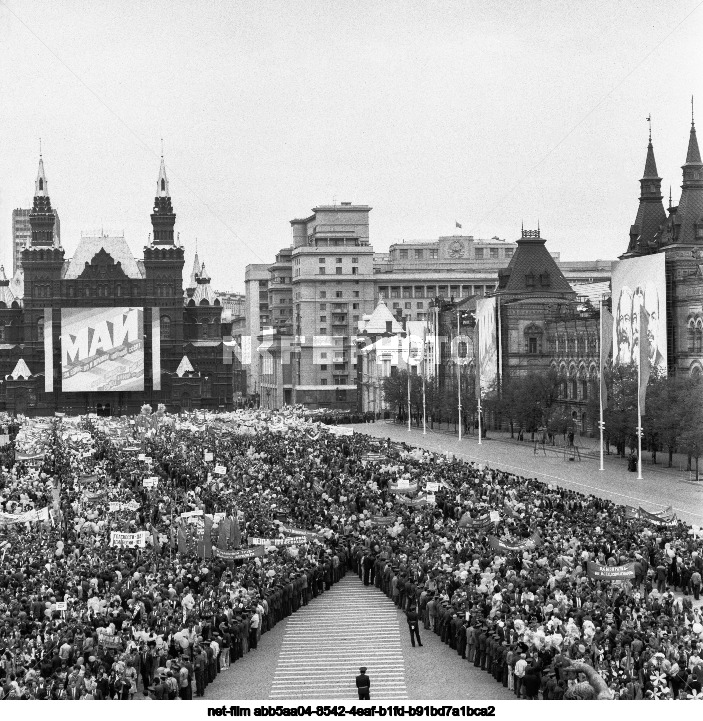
363 685
413 626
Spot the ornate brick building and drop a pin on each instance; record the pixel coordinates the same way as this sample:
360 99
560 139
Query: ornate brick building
184 363
678 233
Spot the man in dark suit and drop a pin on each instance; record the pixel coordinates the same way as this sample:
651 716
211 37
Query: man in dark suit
363 685
413 626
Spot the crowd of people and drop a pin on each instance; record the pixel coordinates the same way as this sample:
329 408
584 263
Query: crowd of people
144 556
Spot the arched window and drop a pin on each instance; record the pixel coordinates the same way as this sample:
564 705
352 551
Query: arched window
699 337
41 183
205 329
40 329
165 327
207 387
691 337
163 184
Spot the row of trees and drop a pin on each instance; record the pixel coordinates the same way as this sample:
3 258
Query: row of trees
673 421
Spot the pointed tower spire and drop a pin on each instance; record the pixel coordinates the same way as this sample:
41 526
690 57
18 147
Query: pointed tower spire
41 216
694 154
650 214
163 218
41 187
688 221
195 272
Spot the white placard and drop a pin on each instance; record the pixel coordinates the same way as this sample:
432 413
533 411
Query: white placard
208 456
61 606
220 470
432 486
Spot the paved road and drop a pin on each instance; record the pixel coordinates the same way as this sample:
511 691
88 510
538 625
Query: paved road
658 488
316 654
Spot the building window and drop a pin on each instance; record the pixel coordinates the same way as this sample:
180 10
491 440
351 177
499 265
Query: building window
40 329
321 271
323 306
430 291
530 280
323 381
408 306
442 291
165 327
383 292
321 260
420 305
478 253
323 331
355 294
356 319
337 260
323 366
338 270
355 306
434 253
584 390
323 294
323 319
404 254
338 294
355 271
395 291
494 253
395 305
532 344
340 380
355 260
418 254
508 252
323 355
421 316
454 291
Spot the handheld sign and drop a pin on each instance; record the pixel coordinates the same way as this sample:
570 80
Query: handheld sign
220 470
61 606
208 456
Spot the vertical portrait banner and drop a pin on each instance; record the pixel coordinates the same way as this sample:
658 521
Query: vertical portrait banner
487 343
48 350
639 286
156 348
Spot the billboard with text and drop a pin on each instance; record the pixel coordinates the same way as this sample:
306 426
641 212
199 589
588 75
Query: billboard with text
102 349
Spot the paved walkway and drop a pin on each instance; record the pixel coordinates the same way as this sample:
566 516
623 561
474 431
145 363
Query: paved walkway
323 647
658 488
317 652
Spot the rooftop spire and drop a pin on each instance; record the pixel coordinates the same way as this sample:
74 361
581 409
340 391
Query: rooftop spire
694 154
162 183
41 189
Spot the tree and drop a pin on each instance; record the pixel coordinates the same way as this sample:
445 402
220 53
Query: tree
621 413
691 410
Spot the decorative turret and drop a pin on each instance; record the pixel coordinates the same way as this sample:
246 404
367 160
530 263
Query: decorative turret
163 218
688 220
650 214
41 217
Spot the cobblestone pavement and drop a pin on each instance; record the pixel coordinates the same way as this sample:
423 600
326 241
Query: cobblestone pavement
658 488
316 653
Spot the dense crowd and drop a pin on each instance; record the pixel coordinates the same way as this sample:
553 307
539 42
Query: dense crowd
171 544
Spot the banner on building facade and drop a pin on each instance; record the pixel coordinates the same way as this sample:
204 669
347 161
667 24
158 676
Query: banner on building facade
639 283
102 349
487 344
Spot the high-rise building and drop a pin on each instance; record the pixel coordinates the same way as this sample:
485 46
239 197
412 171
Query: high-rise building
333 287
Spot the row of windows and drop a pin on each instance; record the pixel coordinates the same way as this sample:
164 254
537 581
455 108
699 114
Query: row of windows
337 271
432 291
339 294
339 306
433 253
103 290
336 260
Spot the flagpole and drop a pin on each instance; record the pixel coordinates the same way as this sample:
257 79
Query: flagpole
458 370
478 377
601 425
424 360
408 390
639 414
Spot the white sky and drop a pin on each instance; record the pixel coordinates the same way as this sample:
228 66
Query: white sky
432 112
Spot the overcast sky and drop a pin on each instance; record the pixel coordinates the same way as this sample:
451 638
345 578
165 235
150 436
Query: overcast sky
487 113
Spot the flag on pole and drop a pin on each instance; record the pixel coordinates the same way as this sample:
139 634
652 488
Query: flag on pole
223 534
458 224
645 366
606 345
207 537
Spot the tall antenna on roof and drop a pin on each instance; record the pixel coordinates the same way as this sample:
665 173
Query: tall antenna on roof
40 138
